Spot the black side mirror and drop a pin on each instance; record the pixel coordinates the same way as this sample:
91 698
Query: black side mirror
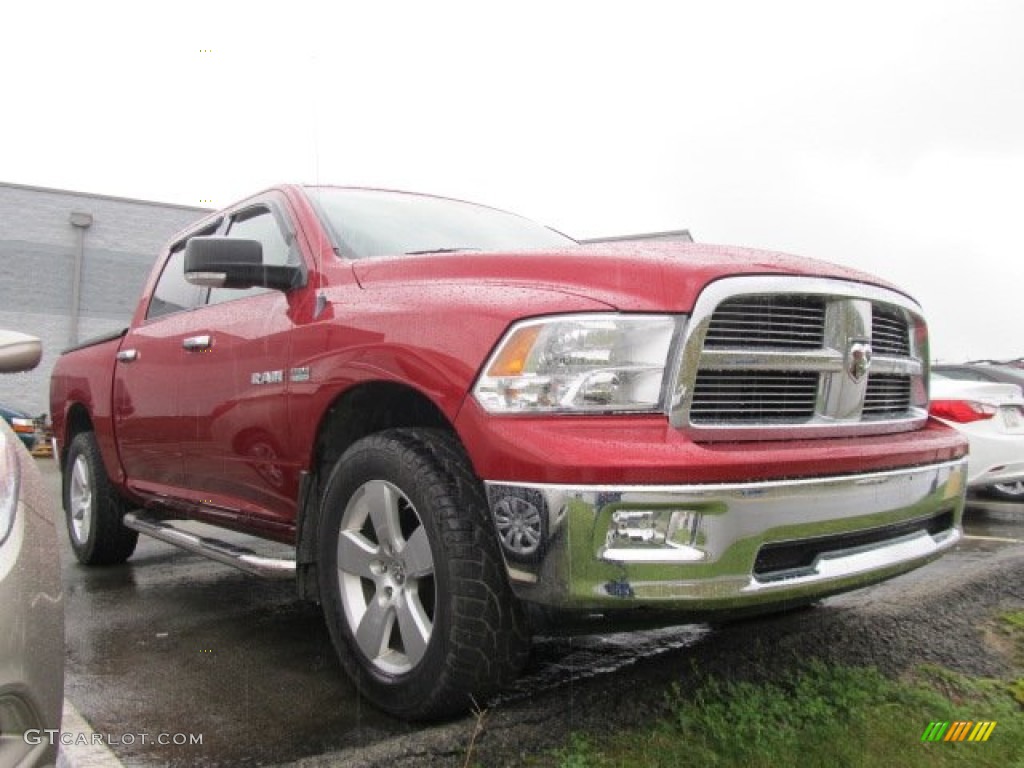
228 262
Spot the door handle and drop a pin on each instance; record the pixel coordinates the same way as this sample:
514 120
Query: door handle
197 343
127 355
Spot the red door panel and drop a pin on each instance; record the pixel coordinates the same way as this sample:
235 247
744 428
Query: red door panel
233 402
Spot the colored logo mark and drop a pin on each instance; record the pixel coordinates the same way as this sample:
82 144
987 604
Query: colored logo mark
961 730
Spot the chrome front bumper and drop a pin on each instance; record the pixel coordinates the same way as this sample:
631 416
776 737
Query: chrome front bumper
711 548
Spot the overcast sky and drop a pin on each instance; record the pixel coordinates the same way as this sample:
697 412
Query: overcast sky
887 136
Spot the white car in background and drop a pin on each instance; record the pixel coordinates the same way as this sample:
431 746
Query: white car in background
991 417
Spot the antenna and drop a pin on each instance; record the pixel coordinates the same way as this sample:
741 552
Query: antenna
321 297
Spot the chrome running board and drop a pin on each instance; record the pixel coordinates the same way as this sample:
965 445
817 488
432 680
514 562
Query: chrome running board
214 549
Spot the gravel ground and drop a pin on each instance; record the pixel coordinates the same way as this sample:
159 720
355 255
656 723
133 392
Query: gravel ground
934 615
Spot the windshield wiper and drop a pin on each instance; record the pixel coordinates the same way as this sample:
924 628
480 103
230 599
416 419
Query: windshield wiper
439 250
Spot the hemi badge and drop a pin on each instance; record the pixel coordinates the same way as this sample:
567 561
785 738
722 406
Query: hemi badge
299 374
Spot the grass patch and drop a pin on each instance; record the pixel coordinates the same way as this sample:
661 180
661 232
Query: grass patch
1014 620
822 716
1012 623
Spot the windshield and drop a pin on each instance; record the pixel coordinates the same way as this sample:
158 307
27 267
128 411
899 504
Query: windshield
367 223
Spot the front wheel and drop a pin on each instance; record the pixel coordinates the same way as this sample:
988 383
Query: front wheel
93 509
412 582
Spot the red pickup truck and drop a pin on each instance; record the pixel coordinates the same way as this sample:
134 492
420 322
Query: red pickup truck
471 427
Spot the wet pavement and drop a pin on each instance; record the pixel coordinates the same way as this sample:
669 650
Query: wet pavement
996 519
172 646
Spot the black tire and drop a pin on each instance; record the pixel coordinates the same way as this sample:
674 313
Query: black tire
1007 491
420 611
92 507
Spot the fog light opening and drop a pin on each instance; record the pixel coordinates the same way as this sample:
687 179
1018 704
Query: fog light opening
653 528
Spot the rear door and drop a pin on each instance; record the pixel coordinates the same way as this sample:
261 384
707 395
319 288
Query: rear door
147 377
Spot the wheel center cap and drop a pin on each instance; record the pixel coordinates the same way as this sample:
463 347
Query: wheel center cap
518 521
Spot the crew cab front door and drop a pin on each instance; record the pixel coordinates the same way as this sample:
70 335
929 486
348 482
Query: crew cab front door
236 439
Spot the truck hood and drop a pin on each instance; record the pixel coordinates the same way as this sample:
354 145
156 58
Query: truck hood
640 277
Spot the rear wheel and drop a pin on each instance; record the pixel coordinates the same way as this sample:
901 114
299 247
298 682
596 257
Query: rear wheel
93 509
1007 491
413 586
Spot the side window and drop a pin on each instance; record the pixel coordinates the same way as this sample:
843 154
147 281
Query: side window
260 224
173 293
257 224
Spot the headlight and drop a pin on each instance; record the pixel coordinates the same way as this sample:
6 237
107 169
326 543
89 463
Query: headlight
592 363
10 476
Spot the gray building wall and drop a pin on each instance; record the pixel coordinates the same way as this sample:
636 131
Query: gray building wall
38 246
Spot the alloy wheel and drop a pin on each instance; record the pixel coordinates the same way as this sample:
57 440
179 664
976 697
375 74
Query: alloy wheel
386 577
81 500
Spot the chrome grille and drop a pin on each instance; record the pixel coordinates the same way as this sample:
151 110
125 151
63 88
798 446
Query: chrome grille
753 397
789 322
886 395
890 334
767 357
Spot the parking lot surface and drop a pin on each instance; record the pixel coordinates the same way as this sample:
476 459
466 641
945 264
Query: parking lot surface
172 647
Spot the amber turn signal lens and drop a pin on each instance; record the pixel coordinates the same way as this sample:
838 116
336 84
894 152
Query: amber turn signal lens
511 361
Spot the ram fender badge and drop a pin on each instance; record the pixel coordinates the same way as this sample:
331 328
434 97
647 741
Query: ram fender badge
268 377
